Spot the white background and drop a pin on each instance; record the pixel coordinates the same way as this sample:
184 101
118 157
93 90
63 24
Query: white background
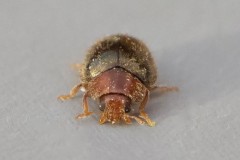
196 46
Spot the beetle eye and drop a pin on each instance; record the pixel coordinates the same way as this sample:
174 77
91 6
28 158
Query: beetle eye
102 106
127 109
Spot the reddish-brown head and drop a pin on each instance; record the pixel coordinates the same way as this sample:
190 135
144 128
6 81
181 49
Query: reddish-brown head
114 107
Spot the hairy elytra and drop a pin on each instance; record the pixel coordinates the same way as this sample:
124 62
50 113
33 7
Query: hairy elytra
118 71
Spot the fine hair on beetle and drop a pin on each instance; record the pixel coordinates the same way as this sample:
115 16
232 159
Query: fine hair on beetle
118 71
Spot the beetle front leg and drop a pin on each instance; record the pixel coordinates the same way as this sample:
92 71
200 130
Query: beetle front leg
143 114
164 89
85 108
140 121
103 118
72 93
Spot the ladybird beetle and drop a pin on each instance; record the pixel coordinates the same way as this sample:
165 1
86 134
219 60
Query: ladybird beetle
118 71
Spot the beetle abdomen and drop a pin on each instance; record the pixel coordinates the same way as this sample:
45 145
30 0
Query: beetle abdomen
120 51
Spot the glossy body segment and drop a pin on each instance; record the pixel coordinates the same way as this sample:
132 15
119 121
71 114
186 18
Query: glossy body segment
119 81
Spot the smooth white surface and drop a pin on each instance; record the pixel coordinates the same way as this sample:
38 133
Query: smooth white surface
196 45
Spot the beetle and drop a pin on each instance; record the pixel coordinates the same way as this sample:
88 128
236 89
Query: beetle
118 71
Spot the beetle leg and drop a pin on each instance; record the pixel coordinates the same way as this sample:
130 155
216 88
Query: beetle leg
137 119
126 119
164 89
103 118
72 93
76 67
143 114
85 108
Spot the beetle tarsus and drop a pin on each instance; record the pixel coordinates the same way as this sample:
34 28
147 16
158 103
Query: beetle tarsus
164 89
141 122
83 115
77 67
103 118
72 93
127 119
143 114
147 119
85 108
